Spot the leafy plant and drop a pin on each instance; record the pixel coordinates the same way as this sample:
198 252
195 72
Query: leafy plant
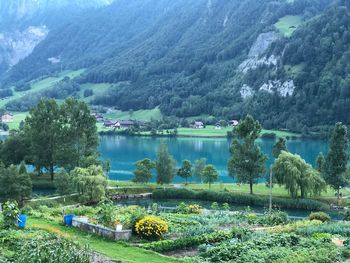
183 208
10 214
321 216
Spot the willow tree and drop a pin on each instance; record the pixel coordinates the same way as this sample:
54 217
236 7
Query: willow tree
247 162
297 176
91 183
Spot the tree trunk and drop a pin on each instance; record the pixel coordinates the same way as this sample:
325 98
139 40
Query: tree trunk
51 172
209 185
251 187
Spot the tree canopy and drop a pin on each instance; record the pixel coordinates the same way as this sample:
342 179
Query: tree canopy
247 162
297 176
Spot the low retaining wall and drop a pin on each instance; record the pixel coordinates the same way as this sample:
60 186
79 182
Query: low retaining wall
82 224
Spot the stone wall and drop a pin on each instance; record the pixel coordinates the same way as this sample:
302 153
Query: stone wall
82 224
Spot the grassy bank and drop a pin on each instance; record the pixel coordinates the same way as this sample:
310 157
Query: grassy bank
114 250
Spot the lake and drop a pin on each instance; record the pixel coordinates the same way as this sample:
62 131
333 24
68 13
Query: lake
124 151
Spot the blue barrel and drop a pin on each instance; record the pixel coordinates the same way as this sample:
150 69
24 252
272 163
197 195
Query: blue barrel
22 219
68 219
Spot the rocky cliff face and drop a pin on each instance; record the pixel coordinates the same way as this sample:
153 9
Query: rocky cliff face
19 44
23 25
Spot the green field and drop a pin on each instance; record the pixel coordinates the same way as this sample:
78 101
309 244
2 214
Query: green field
98 89
288 24
212 131
39 85
141 115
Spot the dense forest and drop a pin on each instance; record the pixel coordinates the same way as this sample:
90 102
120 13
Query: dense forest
221 58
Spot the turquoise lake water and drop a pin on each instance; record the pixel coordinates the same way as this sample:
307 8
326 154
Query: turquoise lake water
125 151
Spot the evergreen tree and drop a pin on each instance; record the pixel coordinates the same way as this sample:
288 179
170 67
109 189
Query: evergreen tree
247 162
165 165
210 174
320 162
186 170
337 158
143 171
278 147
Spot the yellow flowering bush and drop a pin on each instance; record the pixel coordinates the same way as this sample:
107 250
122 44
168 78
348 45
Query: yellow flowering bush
151 227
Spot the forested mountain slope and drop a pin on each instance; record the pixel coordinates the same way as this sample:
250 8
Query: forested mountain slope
283 61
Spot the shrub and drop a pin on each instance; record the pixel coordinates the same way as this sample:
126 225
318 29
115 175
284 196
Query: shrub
273 218
182 208
238 198
321 216
10 214
324 237
151 227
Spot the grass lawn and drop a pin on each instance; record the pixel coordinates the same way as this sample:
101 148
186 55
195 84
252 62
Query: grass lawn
142 115
212 131
114 250
258 189
288 24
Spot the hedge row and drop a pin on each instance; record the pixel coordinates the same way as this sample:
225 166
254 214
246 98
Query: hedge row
239 198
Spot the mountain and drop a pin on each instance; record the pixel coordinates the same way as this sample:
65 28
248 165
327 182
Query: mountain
25 23
284 61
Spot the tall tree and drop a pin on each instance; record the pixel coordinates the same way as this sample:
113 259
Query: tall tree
42 129
247 162
296 175
199 166
165 165
320 162
186 170
143 171
78 135
337 158
278 147
210 174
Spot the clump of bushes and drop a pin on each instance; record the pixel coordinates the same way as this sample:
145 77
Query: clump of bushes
274 218
39 246
238 198
321 216
336 228
151 228
188 242
183 208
